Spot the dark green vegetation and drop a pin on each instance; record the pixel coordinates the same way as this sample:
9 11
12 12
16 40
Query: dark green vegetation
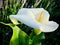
12 7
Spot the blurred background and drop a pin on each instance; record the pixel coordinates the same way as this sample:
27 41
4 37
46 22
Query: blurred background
8 7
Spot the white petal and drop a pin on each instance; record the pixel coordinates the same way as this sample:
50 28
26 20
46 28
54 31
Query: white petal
51 26
45 17
34 11
38 11
23 11
14 20
26 19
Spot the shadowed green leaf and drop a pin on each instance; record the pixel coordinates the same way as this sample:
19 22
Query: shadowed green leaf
19 37
36 39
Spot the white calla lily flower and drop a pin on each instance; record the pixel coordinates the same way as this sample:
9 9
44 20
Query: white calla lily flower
37 18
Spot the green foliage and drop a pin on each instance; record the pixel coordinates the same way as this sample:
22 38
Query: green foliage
19 37
37 39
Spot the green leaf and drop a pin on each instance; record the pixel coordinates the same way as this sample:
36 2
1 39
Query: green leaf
15 38
36 39
19 37
23 38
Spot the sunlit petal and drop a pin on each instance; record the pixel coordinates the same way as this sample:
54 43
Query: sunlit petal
51 26
14 20
37 12
37 18
45 17
26 19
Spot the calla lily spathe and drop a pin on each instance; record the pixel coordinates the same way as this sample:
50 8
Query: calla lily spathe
37 18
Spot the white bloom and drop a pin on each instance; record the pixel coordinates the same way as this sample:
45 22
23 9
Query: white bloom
37 18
